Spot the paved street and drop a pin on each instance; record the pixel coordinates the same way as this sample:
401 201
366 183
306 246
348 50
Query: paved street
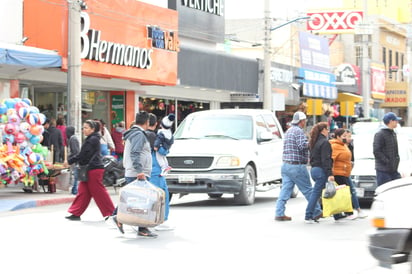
211 236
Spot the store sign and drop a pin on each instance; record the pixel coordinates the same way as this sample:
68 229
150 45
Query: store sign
334 21
163 39
281 75
244 97
210 6
378 81
314 52
318 84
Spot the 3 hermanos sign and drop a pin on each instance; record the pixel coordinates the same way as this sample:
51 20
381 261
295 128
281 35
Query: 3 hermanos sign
334 21
94 48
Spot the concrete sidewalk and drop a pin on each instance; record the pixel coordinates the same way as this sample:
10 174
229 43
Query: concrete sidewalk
13 197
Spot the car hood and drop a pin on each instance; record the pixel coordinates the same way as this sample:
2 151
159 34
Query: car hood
199 147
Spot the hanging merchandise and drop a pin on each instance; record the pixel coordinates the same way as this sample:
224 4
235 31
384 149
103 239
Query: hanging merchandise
21 154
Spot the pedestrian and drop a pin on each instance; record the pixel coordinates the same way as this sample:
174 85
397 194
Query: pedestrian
341 163
106 142
359 213
60 125
294 168
55 142
73 146
90 155
385 150
164 139
137 161
117 136
46 135
155 177
321 167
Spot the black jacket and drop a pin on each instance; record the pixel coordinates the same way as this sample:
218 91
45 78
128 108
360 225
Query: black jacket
321 155
72 143
385 150
89 153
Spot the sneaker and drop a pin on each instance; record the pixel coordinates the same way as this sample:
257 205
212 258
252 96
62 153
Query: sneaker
118 225
341 220
164 227
73 218
144 232
311 221
353 216
362 214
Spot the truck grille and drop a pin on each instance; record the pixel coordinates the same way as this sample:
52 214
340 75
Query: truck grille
190 162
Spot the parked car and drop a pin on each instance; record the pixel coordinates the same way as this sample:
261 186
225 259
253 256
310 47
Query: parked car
390 242
235 151
364 174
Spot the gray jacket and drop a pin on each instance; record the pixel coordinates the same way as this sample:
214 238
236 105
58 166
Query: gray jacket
137 157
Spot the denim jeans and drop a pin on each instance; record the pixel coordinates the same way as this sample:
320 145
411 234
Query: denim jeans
384 177
75 172
291 175
355 200
319 176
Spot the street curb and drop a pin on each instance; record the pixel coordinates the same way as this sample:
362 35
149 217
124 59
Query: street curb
36 203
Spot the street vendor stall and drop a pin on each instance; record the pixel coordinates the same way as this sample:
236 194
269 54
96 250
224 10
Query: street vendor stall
22 157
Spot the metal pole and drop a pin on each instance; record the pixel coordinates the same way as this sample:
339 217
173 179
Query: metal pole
74 67
365 62
267 86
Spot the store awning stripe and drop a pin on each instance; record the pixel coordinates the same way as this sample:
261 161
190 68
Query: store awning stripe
319 91
30 59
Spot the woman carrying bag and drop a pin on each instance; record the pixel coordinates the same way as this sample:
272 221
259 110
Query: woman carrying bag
92 188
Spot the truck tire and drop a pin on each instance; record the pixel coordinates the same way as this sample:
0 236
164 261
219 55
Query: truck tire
246 195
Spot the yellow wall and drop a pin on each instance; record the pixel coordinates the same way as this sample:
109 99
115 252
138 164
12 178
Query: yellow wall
399 10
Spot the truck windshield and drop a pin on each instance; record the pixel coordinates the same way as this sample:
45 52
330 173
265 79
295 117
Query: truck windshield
216 126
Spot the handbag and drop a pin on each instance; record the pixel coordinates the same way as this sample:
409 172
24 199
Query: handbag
340 202
330 189
82 172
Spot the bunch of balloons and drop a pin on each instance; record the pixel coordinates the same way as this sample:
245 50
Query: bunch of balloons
21 128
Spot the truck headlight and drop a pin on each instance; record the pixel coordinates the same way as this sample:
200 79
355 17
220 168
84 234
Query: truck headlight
228 161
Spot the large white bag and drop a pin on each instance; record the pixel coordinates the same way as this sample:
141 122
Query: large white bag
141 204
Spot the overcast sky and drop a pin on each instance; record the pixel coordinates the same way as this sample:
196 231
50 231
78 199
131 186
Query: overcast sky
287 9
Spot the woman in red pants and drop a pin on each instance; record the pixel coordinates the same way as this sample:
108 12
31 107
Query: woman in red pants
93 188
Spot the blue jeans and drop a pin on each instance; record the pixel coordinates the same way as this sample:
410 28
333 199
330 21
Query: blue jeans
319 176
355 200
291 175
75 172
384 177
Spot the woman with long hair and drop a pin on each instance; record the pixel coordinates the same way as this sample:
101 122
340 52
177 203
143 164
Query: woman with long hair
321 163
93 188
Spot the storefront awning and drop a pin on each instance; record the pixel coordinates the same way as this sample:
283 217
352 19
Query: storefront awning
17 57
349 97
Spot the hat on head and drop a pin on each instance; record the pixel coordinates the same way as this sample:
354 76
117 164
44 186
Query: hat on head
167 121
298 116
390 116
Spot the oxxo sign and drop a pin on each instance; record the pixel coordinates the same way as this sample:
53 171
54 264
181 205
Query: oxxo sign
93 48
335 22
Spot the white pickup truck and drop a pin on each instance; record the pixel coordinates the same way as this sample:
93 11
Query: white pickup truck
391 240
232 151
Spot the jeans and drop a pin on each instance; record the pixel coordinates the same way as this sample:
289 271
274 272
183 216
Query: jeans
291 175
75 172
320 178
384 177
355 200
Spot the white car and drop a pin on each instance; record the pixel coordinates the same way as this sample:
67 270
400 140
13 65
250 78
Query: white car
226 151
390 242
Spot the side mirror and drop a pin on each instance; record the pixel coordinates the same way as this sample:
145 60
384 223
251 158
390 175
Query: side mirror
265 136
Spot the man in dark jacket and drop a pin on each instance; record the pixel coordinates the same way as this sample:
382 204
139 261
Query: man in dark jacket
385 149
55 140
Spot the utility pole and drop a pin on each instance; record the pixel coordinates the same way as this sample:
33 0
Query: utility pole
365 64
74 77
267 86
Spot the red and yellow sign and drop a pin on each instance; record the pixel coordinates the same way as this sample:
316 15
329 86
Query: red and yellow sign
377 81
396 95
120 39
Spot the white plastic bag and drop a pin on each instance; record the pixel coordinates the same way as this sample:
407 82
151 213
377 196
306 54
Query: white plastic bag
330 190
141 204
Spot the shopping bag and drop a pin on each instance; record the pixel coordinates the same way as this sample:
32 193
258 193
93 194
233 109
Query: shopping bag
141 204
82 173
63 180
330 189
340 202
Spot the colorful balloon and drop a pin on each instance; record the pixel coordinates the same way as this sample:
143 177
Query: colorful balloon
36 130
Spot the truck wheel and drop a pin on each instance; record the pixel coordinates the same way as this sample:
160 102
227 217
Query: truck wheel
215 196
246 195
